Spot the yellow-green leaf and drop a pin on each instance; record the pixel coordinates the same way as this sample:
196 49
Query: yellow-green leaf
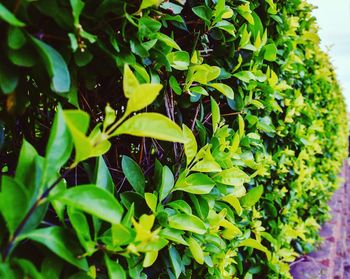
150 258
187 223
142 96
196 250
234 202
151 200
190 145
130 82
256 245
153 125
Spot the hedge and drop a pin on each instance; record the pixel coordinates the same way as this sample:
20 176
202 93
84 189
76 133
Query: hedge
164 139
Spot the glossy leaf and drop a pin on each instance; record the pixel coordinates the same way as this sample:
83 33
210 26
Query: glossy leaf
179 60
115 270
150 258
93 200
130 82
196 250
215 114
9 17
167 183
133 174
152 125
234 202
55 65
196 183
142 96
59 146
13 202
60 242
190 145
256 245
252 197
151 200
232 176
187 223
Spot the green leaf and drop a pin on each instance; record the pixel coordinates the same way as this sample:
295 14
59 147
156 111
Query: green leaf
28 269
102 176
233 176
223 88
8 78
181 206
196 250
59 241
167 40
151 200
110 116
77 7
173 235
244 11
179 60
148 3
115 270
175 85
190 145
142 96
13 202
51 267
22 57
130 82
121 235
9 17
82 230
26 162
187 222
15 38
245 76
93 200
204 13
133 174
215 114
78 122
55 65
270 52
234 202
252 197
167 183
59 146
175 260
256 245
241 126
196 183
199 90
226 26
152 125
150 258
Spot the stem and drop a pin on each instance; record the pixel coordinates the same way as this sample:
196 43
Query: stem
30 213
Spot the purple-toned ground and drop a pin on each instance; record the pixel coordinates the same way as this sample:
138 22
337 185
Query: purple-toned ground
332 258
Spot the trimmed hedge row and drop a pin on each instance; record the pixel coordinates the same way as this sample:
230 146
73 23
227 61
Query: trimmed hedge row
208 139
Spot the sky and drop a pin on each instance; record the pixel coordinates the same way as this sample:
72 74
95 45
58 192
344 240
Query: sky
333 18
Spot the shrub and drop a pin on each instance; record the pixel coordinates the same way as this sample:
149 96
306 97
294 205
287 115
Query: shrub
183 139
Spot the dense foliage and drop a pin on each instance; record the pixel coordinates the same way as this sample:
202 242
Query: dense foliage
184 139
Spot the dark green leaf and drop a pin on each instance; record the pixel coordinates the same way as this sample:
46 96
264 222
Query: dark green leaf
55 65
134 174
59 241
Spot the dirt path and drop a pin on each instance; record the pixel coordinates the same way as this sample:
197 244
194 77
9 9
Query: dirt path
332 259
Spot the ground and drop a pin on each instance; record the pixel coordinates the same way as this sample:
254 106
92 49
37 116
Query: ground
332 258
